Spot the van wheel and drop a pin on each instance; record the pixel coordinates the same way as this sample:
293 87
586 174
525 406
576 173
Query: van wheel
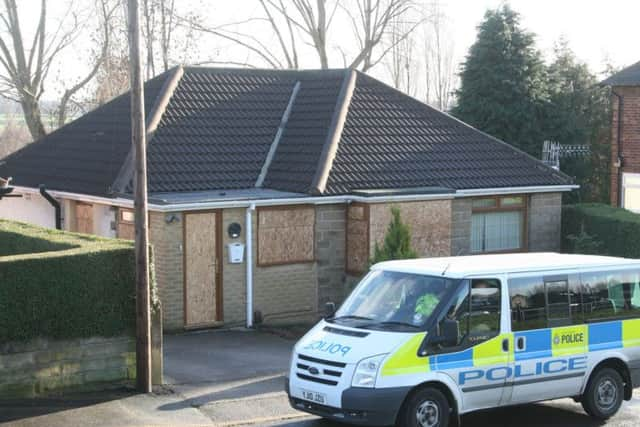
425 408
604 394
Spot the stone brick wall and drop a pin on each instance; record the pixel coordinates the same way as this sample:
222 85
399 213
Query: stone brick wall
461 227
545 210
234 284
284 293
42 365
630 135
167 244
429 221
330 253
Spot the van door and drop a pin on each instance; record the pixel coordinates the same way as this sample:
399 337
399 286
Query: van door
551 342
479 362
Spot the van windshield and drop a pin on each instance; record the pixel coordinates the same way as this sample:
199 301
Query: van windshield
393 300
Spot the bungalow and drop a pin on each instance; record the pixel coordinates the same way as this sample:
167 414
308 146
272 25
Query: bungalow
269 189
625 137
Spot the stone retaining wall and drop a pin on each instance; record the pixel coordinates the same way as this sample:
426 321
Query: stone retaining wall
29 369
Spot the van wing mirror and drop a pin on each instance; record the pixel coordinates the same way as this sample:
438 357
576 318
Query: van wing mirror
449 333
329 310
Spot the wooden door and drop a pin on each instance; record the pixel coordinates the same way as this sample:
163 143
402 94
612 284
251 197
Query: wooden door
202 269
84 218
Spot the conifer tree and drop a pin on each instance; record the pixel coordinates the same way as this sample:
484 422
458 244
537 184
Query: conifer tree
397 241
502 83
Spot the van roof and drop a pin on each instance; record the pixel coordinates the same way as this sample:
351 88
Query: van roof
462 266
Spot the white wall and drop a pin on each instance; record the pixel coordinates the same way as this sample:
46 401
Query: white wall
104 218
30 208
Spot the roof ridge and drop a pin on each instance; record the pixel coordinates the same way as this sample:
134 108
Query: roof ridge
276 139
328 154
125 175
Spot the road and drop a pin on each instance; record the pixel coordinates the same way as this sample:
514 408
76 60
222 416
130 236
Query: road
559 413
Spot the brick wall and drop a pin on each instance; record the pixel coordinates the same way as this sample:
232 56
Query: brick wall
234 284
42 365
167 243
284 293
330 253
630 135
461 226
545 212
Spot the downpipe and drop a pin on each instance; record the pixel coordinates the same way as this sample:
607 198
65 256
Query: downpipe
53 202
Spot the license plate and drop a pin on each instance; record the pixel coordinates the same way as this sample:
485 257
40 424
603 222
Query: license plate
314 396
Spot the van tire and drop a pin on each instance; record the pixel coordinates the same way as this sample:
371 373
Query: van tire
604 394
430 404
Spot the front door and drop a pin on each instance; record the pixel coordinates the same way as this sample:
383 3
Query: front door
202 269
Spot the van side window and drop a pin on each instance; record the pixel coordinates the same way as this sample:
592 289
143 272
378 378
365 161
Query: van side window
611 295
477 310
528 303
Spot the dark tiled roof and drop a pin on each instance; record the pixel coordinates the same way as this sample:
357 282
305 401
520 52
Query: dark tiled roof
629 76
217 129
296 159
391 140
219 125
84 156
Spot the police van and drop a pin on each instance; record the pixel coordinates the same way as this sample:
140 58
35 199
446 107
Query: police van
420 342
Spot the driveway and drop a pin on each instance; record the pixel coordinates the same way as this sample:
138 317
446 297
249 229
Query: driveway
226 379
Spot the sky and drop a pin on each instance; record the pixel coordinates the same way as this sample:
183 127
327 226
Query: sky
596 30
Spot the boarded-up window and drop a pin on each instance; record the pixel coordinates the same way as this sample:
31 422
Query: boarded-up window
126 228
84 218
285 235
357 238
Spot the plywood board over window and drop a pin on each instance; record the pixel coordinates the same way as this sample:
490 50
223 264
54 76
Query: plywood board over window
286 235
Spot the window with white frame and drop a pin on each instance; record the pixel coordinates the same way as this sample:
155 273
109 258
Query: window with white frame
498 224
631 191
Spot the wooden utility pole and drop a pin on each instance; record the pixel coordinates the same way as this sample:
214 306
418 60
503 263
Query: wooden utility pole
138 139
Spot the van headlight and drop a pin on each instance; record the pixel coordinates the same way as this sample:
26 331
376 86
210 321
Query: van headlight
367 371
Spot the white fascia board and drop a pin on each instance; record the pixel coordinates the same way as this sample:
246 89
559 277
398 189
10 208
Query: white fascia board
313 200
515 190
109 201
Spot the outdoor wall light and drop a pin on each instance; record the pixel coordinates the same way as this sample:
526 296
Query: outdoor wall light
234 230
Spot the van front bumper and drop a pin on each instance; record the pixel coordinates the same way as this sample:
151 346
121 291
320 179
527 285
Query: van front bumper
360 406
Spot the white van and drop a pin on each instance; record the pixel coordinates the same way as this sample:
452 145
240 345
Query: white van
420 342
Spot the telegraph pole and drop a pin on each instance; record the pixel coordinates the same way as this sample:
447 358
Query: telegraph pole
138 139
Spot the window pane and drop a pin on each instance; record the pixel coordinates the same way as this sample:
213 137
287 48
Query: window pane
484 203
632 179
632 198
503 231
484 321
528 309
611 295
558 303
477 232
511 201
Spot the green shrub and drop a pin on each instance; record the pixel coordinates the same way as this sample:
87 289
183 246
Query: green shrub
84 288
397 241
601 229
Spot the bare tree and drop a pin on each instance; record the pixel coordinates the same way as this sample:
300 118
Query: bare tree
107 12
298 23
26 66
400 61
439 63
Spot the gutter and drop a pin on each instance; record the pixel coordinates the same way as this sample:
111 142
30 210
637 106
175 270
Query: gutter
308 200
619 158
56 205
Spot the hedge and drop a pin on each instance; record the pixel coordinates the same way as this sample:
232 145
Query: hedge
83 286
604 229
